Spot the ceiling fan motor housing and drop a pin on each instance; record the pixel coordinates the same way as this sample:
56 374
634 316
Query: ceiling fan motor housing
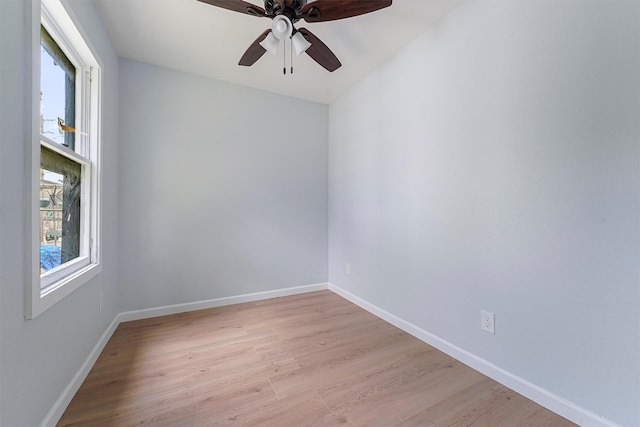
290 8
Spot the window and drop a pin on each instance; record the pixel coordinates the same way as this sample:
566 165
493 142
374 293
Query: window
64 157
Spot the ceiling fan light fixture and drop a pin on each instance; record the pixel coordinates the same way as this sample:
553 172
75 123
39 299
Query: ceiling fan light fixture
281 27
300 44
270 43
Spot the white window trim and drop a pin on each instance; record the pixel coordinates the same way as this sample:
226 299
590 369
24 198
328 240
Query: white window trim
56 16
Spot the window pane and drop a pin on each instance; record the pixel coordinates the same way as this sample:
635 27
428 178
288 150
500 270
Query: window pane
60 184
57 91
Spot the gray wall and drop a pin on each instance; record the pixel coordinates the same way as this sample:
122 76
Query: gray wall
223 189
38 358
493 164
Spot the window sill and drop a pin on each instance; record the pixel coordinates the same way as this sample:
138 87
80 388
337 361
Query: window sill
60 289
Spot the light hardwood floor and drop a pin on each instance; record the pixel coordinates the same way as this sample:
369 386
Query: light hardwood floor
306 360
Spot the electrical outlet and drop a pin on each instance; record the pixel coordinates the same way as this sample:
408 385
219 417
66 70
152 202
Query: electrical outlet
100 299
347 268
487 321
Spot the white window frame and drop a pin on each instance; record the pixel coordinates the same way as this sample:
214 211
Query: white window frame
46 289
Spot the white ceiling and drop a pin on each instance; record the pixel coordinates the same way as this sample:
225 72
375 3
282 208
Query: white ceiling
201 39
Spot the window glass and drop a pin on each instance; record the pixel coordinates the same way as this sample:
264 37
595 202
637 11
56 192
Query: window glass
57 91
60 185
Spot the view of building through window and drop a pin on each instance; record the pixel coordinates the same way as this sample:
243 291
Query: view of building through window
60 180
51 196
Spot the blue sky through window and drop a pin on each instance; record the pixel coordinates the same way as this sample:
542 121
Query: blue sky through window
52 98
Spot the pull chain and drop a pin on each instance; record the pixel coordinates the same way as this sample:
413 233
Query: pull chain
291 55
284 58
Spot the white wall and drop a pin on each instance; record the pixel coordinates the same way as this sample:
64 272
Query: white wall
493 164
39 357
223 189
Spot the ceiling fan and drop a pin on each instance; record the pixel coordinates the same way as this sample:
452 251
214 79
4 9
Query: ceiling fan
285 13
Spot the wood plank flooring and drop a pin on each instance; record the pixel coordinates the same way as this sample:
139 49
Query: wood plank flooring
306 360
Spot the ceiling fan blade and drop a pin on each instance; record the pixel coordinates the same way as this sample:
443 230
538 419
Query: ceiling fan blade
254 52
330 10
237 6
319 51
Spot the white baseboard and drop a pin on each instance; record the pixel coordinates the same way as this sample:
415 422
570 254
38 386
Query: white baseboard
218 302
56 411
543 397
